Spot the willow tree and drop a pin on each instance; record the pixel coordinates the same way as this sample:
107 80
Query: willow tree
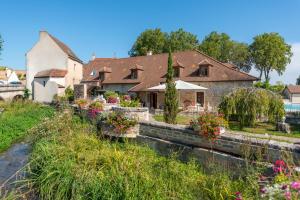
251 104
171 100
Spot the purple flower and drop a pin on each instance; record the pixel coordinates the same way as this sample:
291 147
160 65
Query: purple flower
295 185
263 190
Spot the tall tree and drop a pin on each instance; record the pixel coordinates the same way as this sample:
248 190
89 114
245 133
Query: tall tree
171 100
298 81
221 47
1 44
270 52
181 40
150 40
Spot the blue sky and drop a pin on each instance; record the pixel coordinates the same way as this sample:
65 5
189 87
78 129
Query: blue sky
108 27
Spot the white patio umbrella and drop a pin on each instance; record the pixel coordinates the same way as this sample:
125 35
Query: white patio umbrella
180 85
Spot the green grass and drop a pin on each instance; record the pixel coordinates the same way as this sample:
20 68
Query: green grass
263 128
17 118
69 161
180 119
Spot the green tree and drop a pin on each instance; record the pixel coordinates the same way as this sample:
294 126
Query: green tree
248 105
298 81
270 52
1 44
181 40
150 40
221 47
171 100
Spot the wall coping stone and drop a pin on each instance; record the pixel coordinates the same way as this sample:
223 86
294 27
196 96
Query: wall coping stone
229 137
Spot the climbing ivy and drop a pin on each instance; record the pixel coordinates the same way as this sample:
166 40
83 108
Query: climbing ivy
248 105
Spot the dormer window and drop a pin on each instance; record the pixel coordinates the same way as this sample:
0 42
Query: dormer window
134 74
104 73
176 72
101 76
178 67
203 70
136 71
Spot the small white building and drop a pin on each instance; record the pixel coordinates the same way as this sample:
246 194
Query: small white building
8 76
292 93
51 67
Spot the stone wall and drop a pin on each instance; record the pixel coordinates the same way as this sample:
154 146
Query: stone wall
235 145
79 91
141 114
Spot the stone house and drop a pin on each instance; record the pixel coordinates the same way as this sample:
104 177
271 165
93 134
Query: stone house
292 93
51 67
137 74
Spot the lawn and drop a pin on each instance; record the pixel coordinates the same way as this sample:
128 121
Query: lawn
17 118
263 128
70 161
180 119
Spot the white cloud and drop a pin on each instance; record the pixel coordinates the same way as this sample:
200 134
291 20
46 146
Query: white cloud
292 70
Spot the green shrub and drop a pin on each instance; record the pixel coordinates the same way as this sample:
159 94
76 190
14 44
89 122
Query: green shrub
70 162
250 104
69 94
111 94
120 122
130 103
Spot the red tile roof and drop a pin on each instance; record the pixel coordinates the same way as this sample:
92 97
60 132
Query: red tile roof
51 73
155 68
66 49
294 89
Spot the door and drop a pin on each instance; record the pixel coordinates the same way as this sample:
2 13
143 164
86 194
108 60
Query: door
200 98
153 100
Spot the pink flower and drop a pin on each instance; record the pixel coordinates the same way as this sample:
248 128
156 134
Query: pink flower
280 167
238 196
287 195
296 185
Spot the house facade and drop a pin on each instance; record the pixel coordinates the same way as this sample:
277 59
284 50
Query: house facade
137 74
51 67
292 93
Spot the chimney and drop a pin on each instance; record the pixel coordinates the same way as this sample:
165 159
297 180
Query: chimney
93 56
149 53
43 34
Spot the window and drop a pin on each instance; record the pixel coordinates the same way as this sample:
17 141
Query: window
203 71
134 74
74 67
101 76
200 98
176 72
93 73
44 83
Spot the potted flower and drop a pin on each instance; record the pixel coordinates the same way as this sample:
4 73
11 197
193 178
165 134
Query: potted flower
81 103
210 125
95 108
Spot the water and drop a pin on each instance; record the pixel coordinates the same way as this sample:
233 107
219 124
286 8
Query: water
292 107
11 161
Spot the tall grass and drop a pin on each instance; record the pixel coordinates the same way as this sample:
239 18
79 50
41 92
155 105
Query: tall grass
17 118
69 161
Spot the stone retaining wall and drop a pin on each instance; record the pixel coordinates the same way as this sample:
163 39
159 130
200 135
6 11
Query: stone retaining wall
139 113
235 145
